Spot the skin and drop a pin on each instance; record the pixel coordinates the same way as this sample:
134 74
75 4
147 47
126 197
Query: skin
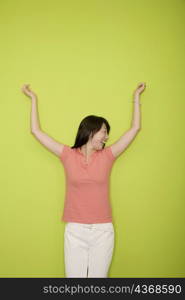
94 143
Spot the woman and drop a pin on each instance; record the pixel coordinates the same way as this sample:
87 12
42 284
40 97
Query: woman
89 231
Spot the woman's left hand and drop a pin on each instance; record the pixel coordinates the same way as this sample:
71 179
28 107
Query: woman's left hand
140 88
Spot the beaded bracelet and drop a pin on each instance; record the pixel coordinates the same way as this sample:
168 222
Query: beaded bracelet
137 102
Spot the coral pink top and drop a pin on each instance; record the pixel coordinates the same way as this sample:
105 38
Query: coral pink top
87 185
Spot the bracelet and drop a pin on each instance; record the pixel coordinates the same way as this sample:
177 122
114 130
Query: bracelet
137 102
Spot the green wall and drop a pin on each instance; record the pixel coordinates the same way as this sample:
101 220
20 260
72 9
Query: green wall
81 58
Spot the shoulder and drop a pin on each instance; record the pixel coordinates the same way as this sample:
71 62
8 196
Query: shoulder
65 152
107 151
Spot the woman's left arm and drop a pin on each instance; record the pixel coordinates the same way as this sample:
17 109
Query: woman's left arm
119 146
136 118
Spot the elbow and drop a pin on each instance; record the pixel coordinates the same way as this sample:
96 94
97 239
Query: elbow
35 131
136 128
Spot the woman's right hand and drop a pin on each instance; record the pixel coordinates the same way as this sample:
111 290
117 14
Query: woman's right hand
26 90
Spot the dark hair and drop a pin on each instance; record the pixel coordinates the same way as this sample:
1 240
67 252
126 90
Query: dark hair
87 128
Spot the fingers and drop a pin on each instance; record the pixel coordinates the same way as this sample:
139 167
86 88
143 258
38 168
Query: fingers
25 85
142 84
25 88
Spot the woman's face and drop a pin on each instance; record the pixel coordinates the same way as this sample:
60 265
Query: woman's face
99 137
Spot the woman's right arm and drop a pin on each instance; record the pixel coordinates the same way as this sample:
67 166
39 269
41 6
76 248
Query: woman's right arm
51 144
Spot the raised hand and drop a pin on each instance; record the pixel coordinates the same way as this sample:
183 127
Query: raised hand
26 90
140 88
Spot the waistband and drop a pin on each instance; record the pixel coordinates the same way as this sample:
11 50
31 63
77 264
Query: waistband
104 226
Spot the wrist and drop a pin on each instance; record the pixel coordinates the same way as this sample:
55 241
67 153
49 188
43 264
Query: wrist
137 102
136 98
136 95
34 98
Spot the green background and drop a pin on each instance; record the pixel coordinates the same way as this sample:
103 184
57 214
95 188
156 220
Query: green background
82 58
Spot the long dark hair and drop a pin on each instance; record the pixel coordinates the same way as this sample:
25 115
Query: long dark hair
88 127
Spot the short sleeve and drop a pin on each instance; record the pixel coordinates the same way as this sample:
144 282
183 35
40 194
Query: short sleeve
108 151
65 152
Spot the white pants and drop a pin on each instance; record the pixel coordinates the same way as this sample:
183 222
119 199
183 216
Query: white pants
88 249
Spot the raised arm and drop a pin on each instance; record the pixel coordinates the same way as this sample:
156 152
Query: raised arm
119 146
51 144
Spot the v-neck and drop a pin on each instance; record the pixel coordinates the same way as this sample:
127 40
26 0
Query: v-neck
87 162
